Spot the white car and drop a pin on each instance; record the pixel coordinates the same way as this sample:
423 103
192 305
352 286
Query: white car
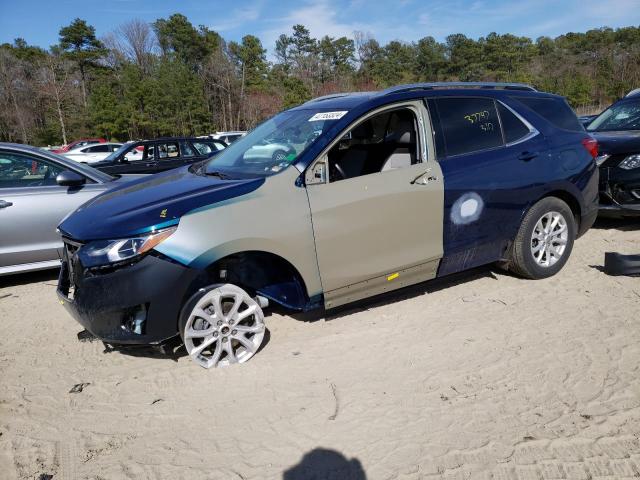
228 137
92 153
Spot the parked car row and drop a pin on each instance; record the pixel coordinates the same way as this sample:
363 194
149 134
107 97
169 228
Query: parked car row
344 197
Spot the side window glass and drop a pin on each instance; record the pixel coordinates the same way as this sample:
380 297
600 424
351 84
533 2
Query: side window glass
386 141
99 149
185 149
168 151
469 124
203 148
555 110
18 170
512 126
148 152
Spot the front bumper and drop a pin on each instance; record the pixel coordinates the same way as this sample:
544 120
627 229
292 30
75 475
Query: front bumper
619 192
133 304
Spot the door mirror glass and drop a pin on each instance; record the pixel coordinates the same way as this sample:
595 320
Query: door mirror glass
69 178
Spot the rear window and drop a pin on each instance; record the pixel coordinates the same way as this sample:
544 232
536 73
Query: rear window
555 110
512 126
468 124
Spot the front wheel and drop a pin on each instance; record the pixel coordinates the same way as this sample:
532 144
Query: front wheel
223 325
544 241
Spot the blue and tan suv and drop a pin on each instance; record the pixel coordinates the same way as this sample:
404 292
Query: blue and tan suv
378 191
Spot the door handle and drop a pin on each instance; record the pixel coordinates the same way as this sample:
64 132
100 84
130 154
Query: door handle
424 179
5 204
527 156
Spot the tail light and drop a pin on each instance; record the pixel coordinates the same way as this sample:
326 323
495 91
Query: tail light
591 145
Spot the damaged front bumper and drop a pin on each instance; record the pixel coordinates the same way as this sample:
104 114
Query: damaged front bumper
619 192
138 303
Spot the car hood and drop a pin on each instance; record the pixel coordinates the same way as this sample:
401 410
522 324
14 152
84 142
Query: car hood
148 203
616 142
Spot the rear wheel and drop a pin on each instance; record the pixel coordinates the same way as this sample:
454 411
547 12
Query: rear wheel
544 241
224 326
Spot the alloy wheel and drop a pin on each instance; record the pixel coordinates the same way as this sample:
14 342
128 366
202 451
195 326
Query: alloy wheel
226 326
549 239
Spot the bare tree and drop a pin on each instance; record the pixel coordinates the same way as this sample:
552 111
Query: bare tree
55 75
137 41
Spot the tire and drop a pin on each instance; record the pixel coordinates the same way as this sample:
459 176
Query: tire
221 325
537 252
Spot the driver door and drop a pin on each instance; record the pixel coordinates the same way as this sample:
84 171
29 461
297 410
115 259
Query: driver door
376 200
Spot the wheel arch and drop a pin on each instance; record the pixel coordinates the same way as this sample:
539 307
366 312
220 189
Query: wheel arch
570 199
264 273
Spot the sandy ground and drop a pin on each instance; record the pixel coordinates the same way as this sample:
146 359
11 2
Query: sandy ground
483 375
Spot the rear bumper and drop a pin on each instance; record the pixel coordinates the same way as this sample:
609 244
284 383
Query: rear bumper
133 304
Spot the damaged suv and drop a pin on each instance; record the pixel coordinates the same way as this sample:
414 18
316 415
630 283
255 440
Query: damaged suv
376 192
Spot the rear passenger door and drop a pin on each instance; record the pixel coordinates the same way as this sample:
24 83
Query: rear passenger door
490 158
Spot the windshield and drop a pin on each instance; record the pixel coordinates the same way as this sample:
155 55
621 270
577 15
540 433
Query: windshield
273 145
622 116
123 149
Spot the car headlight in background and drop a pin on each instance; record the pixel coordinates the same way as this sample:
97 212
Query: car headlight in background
631 162
105 252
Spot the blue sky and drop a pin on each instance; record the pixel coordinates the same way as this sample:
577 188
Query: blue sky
38 21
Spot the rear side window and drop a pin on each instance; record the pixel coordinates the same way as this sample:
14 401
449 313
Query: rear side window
98 149
512 126
468 124
555 110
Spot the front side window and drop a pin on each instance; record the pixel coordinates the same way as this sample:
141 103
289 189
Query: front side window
622 116
386 141
468 124
274 145
18 170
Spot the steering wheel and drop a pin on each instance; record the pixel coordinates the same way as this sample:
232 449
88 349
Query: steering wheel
337 169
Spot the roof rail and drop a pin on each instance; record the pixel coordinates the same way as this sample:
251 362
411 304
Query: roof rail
326 97
633 93
444 85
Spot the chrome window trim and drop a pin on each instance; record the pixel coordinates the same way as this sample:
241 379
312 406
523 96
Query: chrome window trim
533 131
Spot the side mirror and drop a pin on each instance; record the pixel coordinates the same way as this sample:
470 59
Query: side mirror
124 159
69 178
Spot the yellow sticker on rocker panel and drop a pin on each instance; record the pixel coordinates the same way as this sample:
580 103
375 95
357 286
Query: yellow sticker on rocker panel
393 276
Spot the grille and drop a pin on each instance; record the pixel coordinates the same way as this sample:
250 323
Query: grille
71 267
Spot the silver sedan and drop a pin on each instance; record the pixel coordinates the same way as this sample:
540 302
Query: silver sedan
37 190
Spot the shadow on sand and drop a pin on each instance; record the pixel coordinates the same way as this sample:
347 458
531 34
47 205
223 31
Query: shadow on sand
325 464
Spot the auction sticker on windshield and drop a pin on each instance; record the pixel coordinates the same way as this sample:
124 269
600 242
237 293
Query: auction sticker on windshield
328 116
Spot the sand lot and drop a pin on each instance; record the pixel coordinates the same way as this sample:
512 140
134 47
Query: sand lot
482 375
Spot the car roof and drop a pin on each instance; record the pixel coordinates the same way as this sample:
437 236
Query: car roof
90 172
354 100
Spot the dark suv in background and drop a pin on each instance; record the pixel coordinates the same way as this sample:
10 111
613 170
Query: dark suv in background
152 156
617 131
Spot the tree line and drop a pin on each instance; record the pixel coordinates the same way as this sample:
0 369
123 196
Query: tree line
170 77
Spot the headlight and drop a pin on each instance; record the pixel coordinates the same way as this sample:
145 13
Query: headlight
104 252
631 162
